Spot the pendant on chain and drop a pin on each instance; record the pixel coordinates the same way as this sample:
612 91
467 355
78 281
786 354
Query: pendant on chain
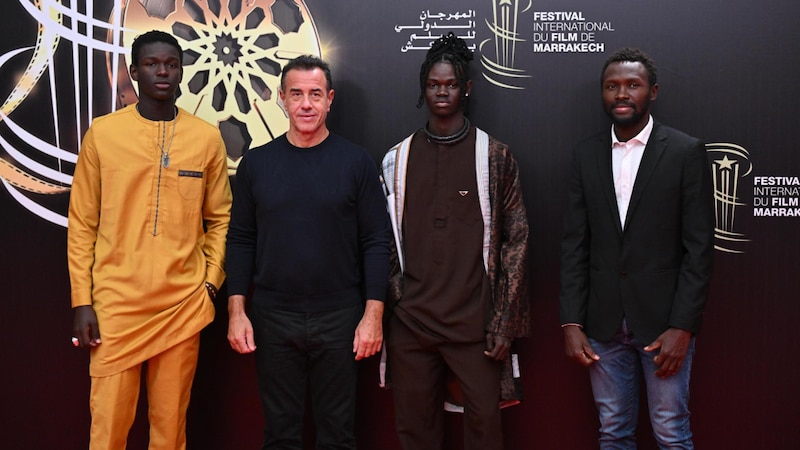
165 146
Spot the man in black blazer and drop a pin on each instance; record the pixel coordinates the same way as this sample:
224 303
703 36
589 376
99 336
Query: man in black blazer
636 259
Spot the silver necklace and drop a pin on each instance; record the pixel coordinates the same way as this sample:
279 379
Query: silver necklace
164 146
161 146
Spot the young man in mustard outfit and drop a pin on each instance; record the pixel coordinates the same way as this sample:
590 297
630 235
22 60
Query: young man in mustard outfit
148 216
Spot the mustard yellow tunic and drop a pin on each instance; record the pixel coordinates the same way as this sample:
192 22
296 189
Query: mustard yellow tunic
137 248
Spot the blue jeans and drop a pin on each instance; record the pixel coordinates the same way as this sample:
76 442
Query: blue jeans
616 379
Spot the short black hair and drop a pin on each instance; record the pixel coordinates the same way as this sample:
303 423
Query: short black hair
151 37
452 50
307 62
629 54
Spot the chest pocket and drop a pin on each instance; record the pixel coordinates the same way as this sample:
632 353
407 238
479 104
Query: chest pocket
190 182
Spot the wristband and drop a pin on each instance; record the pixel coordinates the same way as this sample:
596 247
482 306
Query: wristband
212 291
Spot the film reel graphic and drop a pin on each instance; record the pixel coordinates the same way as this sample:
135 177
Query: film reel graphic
44 179
233 55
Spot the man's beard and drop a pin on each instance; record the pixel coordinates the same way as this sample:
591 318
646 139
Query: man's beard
636 117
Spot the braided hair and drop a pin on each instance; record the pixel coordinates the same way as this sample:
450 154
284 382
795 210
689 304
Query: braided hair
452 50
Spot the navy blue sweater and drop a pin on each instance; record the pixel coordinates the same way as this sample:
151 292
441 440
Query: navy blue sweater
309 227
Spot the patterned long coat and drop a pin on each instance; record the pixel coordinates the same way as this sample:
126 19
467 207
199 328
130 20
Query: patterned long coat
505 241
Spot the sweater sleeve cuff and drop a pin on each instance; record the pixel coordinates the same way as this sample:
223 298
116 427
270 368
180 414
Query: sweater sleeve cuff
376 293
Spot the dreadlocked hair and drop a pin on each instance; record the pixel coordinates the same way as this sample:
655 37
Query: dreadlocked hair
452 50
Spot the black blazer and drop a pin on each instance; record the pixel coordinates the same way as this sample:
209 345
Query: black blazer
655 271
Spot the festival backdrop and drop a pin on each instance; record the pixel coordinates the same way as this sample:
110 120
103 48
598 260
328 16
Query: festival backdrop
725 72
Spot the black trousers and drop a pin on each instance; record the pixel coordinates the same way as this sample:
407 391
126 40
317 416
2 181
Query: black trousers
299 350
419 366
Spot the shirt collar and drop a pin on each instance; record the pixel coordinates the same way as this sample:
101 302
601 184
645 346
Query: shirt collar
642 137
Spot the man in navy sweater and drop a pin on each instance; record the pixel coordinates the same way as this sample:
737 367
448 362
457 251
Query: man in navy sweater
311 233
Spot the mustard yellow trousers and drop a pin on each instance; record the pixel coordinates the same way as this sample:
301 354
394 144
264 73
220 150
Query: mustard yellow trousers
169 377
